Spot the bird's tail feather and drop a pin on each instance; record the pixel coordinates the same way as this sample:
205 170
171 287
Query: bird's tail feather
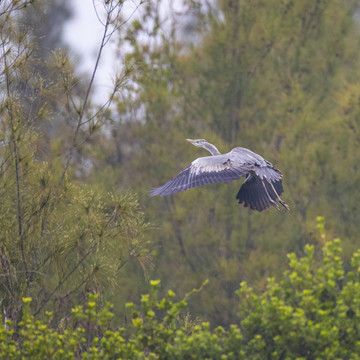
259 194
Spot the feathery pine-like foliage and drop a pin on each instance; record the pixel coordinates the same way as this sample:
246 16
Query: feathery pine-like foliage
60 239
278 77
312 313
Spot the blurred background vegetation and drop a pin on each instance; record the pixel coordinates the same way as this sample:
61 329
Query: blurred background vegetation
280 77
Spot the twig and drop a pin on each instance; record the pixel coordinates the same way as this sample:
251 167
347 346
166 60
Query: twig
76 266
62 281
16 158
6 268
105 38
82 110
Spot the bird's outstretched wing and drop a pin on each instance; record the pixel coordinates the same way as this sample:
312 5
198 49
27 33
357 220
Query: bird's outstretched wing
261 189
204 170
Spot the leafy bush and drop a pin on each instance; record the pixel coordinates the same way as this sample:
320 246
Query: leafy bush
313 313
61 237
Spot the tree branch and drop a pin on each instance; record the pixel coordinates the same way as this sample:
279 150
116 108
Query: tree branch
105 38
76 266
85 102
17 176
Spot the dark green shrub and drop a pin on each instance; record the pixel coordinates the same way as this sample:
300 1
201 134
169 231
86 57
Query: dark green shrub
312 313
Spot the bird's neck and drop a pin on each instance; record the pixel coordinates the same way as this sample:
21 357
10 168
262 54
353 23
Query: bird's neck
212 149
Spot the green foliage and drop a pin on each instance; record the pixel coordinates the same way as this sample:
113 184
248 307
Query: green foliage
278 77
60 237
312 313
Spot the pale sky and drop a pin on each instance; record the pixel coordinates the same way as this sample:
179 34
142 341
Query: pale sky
83 33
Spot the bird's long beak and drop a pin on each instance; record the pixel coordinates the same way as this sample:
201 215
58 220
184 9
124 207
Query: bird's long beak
190 140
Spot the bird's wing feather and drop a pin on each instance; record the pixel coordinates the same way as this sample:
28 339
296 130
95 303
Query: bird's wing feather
204 170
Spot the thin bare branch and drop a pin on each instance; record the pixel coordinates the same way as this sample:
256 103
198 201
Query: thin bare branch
76 266
17 176
12 6
6 268
85 102
64 279
105 38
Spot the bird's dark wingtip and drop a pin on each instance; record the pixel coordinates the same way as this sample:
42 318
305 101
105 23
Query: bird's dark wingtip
161 191
260 195
153 192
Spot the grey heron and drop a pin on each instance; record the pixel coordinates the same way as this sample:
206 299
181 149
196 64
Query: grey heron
262 187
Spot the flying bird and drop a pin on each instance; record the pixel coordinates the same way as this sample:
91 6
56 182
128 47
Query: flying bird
262 187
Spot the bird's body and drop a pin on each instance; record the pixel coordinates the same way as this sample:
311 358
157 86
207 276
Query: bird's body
261 189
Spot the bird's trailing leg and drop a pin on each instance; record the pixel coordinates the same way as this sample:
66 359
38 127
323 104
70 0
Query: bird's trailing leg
286 206
271 200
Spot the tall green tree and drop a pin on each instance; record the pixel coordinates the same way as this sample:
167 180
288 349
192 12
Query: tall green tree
278 77
60 239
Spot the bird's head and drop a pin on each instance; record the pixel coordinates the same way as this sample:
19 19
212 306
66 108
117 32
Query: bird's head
206 145
198 142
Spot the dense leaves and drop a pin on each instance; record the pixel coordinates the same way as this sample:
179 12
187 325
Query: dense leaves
312 313
278 77
60 238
